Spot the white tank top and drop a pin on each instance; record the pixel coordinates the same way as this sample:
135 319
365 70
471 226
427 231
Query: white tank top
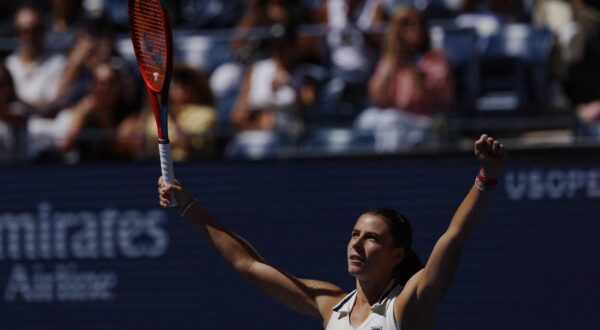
380 318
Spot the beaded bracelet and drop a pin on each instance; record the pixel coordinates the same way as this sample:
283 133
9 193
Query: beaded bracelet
484 184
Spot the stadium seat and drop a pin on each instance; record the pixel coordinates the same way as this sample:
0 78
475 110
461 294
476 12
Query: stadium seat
460 46
224 105
513 69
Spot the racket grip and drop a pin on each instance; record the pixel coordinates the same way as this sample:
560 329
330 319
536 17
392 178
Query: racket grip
166 167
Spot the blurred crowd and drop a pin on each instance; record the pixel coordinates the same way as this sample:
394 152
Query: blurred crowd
258 78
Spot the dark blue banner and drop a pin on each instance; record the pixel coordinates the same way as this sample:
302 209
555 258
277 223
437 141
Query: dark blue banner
88 247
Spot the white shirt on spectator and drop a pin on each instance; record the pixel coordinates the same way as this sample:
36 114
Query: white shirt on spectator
37 82
349 52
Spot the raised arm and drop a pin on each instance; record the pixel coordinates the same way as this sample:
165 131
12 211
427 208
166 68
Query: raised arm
309 297
431 284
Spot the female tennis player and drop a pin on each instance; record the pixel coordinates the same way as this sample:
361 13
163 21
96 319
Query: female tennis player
392 290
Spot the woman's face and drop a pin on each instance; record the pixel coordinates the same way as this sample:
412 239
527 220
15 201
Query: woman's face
30 29
106 85
409 32
371 251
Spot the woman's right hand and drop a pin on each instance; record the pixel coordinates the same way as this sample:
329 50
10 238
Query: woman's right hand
182 196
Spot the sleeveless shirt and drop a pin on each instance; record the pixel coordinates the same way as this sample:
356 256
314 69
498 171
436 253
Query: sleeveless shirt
380 318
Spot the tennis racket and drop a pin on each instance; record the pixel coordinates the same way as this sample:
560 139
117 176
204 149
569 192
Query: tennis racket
152 40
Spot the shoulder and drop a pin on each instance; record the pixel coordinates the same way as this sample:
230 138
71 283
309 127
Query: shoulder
11 59
14 64
326 295
325 289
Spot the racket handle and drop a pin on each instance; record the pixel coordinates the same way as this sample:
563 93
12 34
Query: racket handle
166 167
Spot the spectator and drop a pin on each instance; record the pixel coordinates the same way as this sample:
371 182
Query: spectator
559 16
191 124
64 17
251 33
225 79
411 84
258 17
582 83
90 130
95 44
36 72
352 46
353 30
11 119
268 100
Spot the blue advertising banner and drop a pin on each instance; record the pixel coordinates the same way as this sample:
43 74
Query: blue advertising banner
88 247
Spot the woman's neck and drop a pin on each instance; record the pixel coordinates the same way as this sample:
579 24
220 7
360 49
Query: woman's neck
369 291
30 56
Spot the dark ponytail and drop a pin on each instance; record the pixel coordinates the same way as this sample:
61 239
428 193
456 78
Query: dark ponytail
410 265
402 232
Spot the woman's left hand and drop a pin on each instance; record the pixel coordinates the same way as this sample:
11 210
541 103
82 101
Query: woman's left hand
492 155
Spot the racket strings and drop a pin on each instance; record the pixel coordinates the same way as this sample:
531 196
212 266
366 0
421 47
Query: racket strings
148 32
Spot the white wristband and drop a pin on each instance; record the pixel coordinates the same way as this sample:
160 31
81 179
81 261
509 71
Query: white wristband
482 186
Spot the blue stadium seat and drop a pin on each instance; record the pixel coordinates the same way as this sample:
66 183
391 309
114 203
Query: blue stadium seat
514 69
338 103
224 105
460 46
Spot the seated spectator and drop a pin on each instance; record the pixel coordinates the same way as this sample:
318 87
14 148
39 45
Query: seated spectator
95 44
36 72
258 17
11 118
92 123
268 100
560 18
225 79
352 39
351 44
63 21
411 84
191 122
582 83
588 114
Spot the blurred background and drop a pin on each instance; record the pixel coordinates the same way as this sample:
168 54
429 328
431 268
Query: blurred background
262 79
288 119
